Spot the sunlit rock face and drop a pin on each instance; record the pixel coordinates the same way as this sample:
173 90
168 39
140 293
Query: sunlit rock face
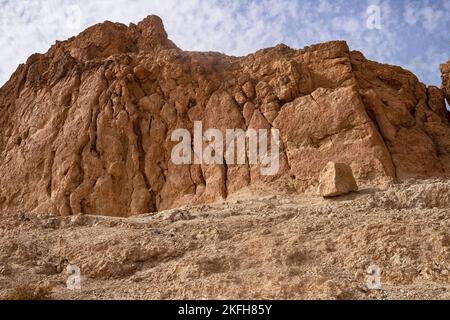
86 127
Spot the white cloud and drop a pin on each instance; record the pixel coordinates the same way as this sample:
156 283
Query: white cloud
411 16
432 19
347 24
429 17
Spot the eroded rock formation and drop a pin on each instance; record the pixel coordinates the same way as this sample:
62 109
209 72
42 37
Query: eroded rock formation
86 127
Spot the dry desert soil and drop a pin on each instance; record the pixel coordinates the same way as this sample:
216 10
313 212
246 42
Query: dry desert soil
253 246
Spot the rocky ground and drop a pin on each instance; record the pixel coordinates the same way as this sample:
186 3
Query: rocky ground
253 246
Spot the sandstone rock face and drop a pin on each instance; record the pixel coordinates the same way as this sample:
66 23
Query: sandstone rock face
410 117
86 127
336 179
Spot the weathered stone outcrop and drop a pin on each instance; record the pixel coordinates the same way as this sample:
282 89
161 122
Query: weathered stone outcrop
410 117
86 127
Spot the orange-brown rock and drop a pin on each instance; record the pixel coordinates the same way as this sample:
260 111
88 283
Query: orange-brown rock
86 127
336 179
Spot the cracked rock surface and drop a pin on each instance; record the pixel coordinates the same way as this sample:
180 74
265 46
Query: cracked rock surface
86 127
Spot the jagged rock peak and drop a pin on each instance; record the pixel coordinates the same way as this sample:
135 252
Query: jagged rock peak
108 38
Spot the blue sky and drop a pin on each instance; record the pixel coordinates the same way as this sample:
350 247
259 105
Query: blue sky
414 34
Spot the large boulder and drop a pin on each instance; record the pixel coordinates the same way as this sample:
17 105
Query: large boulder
336 179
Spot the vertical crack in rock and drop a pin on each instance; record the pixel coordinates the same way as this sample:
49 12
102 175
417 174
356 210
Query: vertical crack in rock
48 172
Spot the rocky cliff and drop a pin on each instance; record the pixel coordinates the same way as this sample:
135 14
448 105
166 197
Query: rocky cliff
86 127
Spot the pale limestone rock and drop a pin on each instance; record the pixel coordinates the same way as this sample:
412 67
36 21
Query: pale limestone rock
336 179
